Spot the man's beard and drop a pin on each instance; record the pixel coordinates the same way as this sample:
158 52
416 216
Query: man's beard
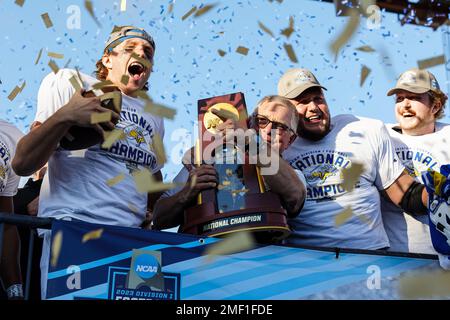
313 135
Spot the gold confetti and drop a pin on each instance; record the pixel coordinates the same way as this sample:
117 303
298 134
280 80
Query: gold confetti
113 181
170 9
56 248
38 57
265 29
365 49
123 5
145 182
23 86
90 9
221 52
158 147
290 52
75 84
92 235
343 216
351 176
99 117
124 79
102 84
55 55
14 93
111 137
160 110
144 62
19 2
345 36
425 285
143 95
187 14
47 20
204 10
365 71
431 62
242 50
289 30
52 64
236 242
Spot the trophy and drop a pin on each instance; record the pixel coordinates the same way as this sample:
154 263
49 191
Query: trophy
240 201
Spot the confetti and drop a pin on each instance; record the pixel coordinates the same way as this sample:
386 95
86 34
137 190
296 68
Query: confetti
187 14
92 235
236 242
75 84
221 52
99 117
67 63
146 183
431 62
38 57
124 79
289 30
111 137
343 216
79 76
123 5
90 9
366 49
55 55
345 36
14 93
144 62
242 50
56 248
290 52
204 10
133 208
102 84
160 110
351 176
158 147
425 285
113 181
19 2
47 20
365 71
170 9
265 29
52 64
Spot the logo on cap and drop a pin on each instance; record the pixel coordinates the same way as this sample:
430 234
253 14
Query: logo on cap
303 77
408 78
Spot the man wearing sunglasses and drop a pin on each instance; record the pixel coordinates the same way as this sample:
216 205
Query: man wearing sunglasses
275 120
342 208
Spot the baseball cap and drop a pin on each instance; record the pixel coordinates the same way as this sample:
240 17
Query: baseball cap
121 33
295 81
415 81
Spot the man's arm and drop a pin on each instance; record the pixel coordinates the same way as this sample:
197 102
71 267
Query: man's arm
35 148
10 259
286 183
151 200
408 194
169 212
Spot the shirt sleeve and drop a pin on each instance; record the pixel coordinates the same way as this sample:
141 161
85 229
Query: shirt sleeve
389 166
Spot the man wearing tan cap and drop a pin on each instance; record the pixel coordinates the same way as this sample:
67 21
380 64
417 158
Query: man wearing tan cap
75 186
338 214
422 143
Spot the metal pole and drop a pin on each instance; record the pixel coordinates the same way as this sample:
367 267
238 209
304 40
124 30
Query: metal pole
29 265
446 43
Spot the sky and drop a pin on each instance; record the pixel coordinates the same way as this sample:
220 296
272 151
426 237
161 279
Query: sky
188 66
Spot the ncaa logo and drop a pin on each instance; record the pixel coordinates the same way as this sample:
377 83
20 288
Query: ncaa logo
146 266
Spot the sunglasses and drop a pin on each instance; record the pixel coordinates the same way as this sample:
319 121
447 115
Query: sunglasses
263 122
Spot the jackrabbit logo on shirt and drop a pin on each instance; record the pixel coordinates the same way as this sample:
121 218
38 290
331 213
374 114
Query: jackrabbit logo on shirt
4 165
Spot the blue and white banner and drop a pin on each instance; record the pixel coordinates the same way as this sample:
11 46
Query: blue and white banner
106 262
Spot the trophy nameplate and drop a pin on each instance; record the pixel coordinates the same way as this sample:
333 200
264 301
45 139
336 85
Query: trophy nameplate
240 201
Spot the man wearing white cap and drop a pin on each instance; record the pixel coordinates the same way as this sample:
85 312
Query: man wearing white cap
422 143
340 211
75 186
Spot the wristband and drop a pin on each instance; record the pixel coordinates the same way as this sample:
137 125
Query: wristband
15 291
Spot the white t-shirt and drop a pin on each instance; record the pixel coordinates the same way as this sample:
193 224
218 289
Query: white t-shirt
75 184
9 136
351 140
418 153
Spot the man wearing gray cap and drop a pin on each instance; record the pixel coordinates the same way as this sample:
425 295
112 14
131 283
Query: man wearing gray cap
422 143
342 208
76 184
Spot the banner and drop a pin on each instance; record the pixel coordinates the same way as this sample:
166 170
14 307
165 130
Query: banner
91 261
